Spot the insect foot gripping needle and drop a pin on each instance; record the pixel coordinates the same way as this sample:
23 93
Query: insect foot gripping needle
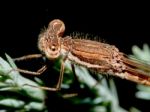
100 57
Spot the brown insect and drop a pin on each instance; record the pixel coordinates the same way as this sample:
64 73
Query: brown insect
100 57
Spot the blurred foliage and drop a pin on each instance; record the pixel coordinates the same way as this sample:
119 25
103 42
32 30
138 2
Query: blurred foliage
144 55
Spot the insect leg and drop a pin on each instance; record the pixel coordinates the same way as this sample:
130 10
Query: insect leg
38 72
58 86
27 57
61 74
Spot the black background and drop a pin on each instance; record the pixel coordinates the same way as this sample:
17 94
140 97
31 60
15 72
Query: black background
120 24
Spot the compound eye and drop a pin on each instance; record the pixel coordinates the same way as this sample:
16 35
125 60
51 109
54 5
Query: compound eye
53 48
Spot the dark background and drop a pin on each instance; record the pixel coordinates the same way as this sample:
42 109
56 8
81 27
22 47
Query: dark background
122 25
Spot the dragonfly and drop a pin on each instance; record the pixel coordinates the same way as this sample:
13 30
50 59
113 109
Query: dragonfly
97 56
